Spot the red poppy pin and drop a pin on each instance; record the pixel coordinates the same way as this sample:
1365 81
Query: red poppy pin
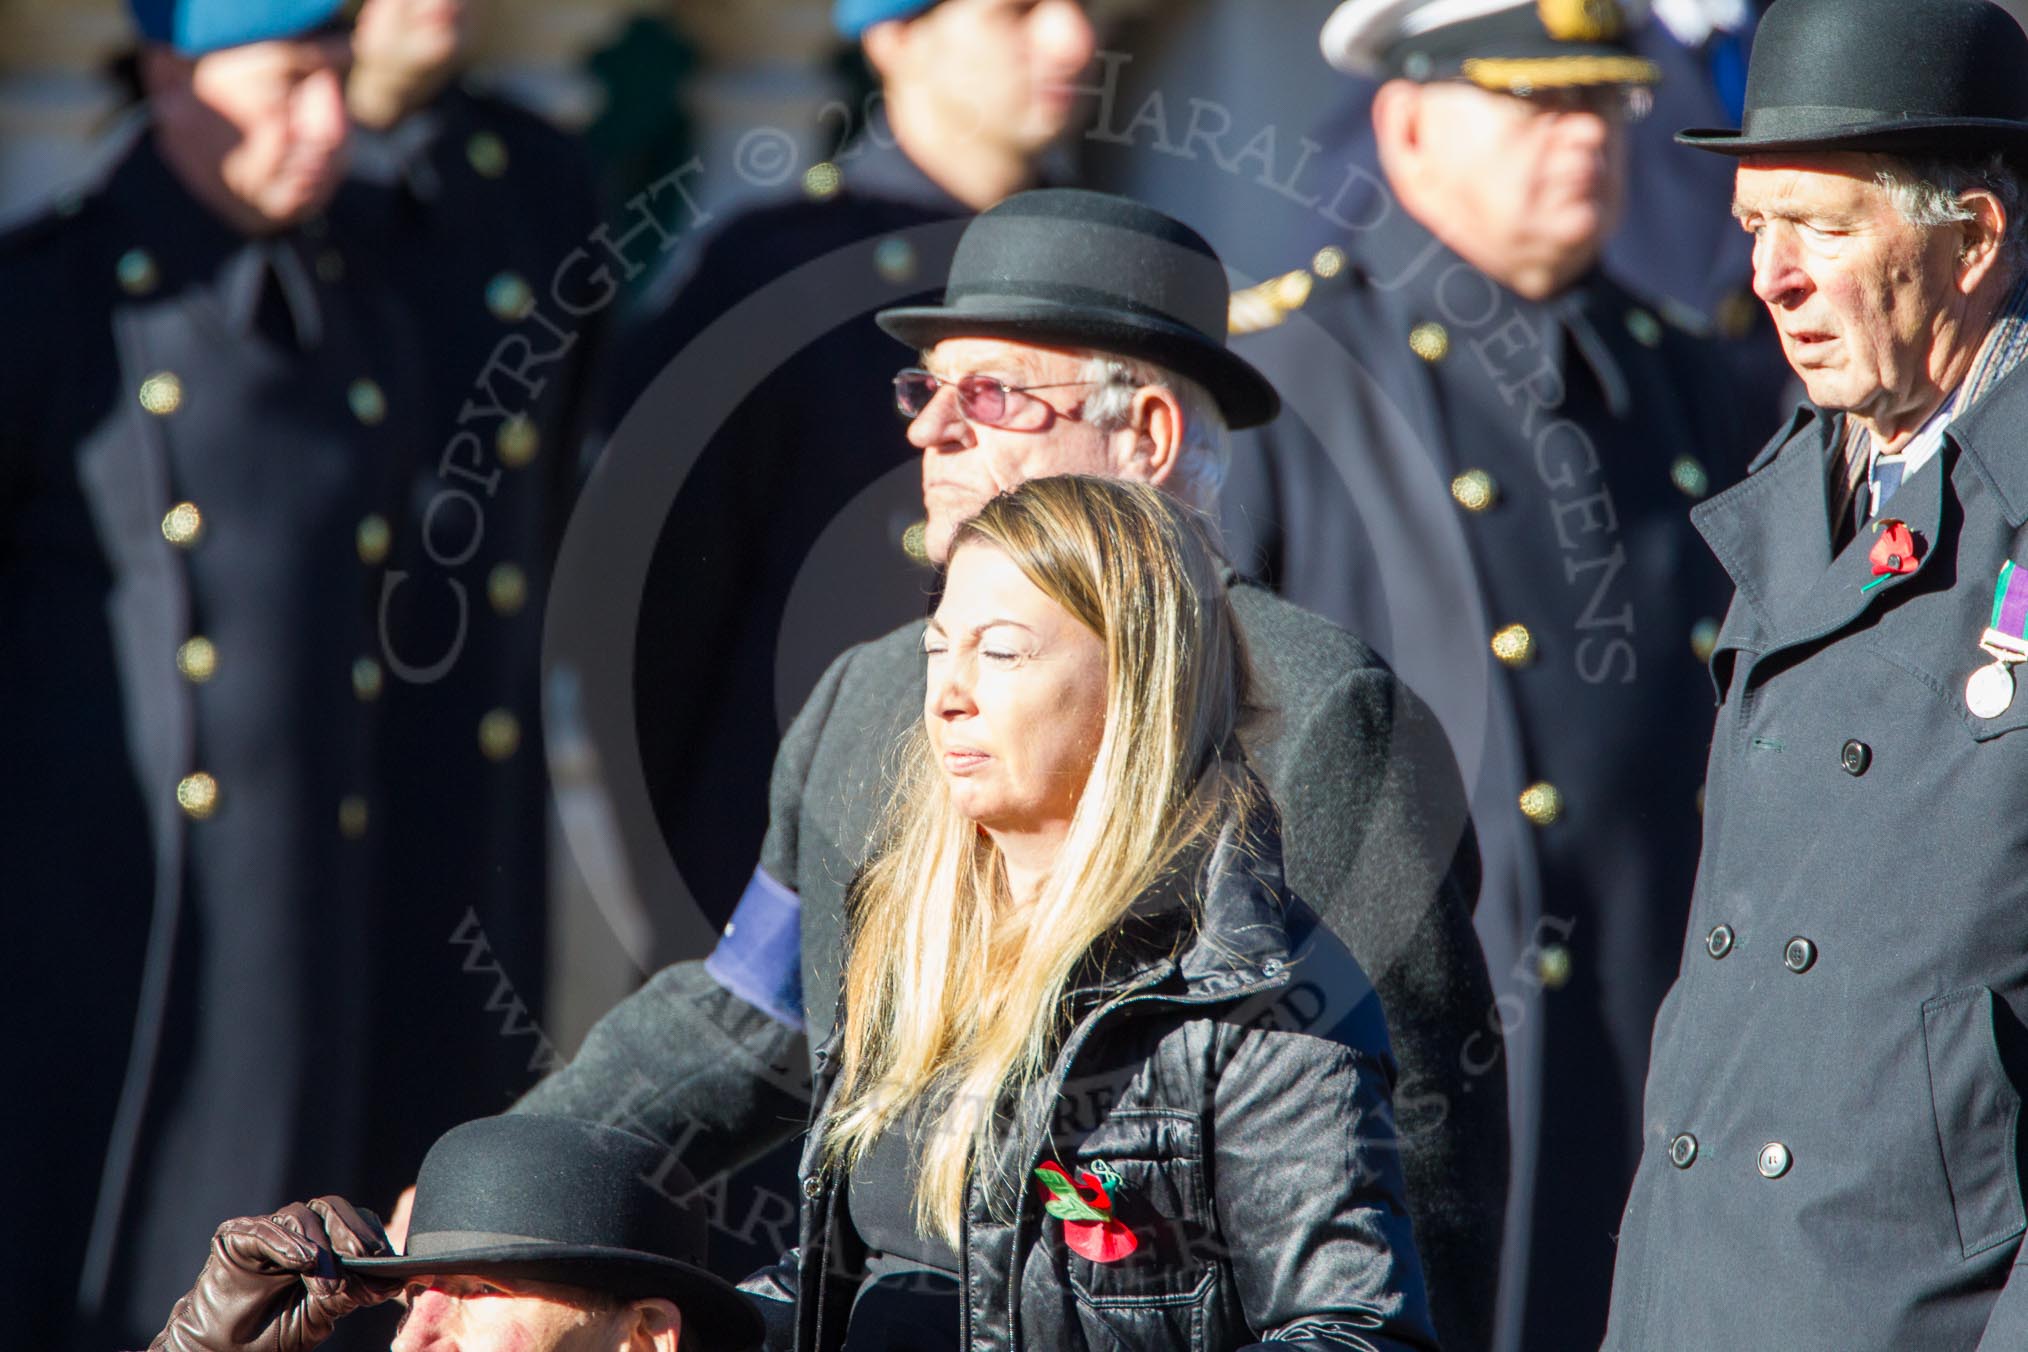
1086 1209
1894 553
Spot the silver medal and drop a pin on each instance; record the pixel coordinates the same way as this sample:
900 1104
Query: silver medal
1990 691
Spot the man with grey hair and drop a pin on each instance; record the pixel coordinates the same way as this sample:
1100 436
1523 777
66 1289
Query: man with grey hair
1832 1152
1082 333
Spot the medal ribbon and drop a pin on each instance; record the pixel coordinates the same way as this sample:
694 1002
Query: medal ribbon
2010 602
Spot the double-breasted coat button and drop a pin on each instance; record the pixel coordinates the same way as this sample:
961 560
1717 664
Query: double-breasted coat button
1736 314
1553 966
1692 480
1514 646
183 525
1774 1160
487 154
367 678
368 404
162 393
1683 1150
507 589
1704 639
1800 955
1719 942
197 795
372 538
822 180
1646 329
517 440
1431 341
499 735
1542 803
353 816
1328 261
1475 490
137 272
894 259
1855 756
508 296
197 659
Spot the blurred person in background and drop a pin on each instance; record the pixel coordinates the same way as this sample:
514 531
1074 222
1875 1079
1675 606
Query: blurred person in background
973 93
204 443
482 217
1673 245
1485 469
227 467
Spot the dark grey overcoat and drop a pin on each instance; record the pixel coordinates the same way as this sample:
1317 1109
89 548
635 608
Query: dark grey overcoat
1832 1155
1375 835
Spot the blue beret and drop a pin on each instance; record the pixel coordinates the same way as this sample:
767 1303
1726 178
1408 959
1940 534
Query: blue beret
194 27
853 17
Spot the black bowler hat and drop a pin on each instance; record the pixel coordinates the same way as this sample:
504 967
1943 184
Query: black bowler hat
1897 76
1065 268
551 1199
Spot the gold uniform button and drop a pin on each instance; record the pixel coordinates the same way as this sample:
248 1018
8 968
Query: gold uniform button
183 525
1553 965
1542 803
517 441
368 404
197 795
1647 329
197 659
162 393
507 589
1690 477
1704 638
367 679
373 538
331 267
509 297
915 541
1736 314
822 180
137 272
1431 341
1514 646
499 735
1328 262
1474 490
894 259
353 816
487 154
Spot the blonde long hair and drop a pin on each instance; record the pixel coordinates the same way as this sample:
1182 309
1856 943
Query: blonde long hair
953 999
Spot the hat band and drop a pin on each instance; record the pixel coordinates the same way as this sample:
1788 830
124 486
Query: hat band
1002 289
1808 119
434 1242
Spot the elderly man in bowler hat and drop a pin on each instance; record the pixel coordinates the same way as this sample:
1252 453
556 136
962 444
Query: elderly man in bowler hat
1833 1153
1085 333
530 1234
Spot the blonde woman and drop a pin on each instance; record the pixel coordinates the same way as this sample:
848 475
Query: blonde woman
1099 1081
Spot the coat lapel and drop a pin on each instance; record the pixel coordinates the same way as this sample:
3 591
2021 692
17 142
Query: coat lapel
1772 530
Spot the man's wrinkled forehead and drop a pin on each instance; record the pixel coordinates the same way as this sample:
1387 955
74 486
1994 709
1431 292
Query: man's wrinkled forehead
1794 186
960 356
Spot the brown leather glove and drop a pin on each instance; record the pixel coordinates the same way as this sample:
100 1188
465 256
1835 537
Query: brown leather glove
271 1281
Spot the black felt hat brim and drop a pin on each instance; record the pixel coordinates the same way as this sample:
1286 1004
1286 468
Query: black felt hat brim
715 1314
1898 136
1243 394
